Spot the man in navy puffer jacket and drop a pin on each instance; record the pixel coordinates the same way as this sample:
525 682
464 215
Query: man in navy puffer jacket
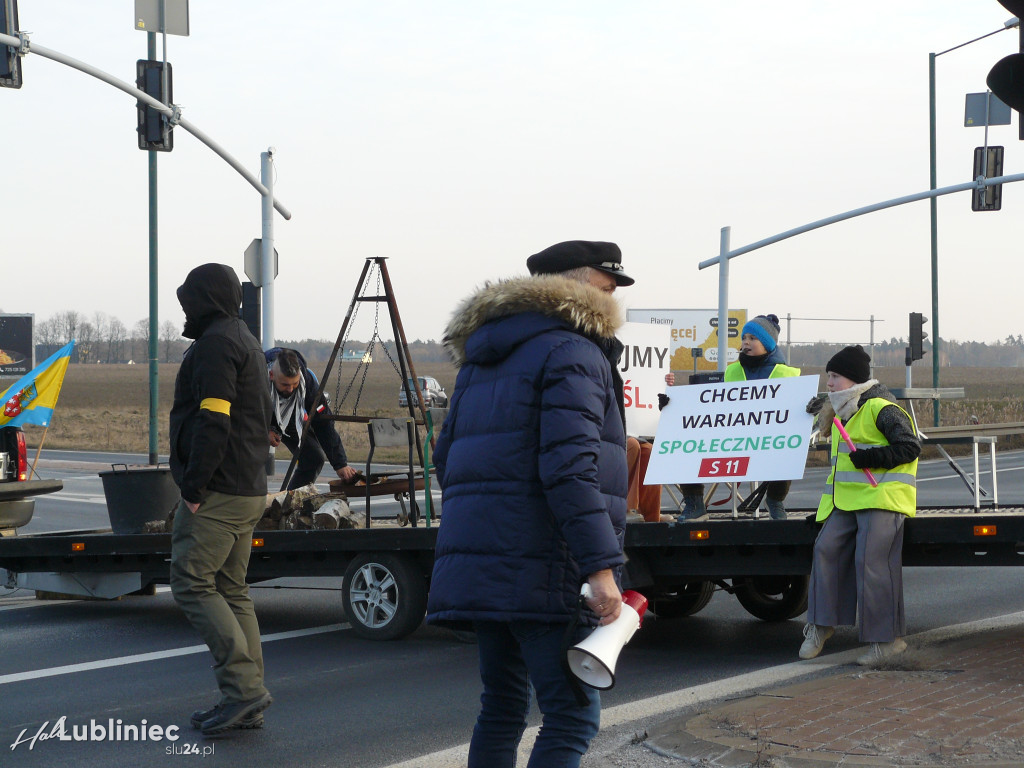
532 464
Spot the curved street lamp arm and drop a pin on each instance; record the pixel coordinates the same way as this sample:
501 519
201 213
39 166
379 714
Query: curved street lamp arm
173 112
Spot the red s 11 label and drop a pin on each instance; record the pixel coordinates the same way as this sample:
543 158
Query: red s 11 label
724 467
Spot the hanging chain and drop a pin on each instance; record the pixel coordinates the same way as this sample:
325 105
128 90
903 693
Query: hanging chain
375 341
338 398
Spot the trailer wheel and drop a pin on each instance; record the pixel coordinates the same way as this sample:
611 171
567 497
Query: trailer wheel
686 601
772 598
384 596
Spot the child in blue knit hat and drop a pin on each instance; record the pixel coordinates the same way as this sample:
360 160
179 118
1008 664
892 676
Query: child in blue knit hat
760 358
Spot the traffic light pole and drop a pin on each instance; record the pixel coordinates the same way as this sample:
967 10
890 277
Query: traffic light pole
934 210
173 114
154 370
934 237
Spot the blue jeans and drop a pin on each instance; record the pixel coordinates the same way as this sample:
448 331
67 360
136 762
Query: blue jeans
514 655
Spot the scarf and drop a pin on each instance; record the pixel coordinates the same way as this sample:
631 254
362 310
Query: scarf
845 401
286 407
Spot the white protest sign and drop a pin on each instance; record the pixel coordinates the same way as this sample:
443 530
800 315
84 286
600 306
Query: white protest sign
643 366
734 431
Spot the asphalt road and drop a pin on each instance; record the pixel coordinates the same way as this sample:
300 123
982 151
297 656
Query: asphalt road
343 701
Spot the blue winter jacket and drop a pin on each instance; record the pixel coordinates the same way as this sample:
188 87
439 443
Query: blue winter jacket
761 367
531 459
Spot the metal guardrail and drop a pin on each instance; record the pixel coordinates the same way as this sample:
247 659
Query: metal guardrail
927 393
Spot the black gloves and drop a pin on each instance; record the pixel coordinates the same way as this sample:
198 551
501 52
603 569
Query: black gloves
816 403
662 401
866 458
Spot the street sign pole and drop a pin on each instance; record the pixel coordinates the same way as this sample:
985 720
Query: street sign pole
268 265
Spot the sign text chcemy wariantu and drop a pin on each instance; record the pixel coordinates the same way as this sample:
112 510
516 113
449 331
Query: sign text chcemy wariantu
733 431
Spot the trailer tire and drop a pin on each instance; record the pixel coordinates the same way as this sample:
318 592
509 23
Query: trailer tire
772 598
384 596
685 601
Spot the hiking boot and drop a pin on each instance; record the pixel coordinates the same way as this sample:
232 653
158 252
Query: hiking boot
882 651
251 722
814 640
233 713
693 509
776 509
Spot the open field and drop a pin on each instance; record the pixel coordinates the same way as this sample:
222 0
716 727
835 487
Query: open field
106 407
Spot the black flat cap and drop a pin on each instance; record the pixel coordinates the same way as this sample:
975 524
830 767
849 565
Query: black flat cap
571 254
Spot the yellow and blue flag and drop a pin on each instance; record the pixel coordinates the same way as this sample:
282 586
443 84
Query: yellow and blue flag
32 398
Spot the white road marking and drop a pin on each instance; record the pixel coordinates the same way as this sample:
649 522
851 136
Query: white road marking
138 658
18 602
88 498
698 694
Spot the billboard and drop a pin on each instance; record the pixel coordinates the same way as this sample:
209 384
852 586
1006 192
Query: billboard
693 329
17 350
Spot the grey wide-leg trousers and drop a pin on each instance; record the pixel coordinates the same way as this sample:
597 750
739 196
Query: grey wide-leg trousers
858 564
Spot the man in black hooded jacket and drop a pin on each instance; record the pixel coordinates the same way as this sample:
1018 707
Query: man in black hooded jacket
219 423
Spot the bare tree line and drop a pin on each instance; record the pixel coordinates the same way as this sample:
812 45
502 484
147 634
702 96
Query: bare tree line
1008 353
103 338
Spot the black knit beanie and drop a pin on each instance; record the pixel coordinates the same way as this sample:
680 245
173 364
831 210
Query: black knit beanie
852 362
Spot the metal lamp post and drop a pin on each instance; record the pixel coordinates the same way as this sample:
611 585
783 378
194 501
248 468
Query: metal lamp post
934 205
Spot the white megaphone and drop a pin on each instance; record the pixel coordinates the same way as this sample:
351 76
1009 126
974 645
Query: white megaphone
593 659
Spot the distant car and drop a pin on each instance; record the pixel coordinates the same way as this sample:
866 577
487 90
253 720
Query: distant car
433 393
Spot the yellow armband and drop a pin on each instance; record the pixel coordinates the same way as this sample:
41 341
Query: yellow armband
216 405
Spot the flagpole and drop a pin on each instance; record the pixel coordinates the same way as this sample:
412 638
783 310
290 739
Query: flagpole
38 451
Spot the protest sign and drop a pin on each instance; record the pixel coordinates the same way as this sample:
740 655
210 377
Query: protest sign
643 365
734 431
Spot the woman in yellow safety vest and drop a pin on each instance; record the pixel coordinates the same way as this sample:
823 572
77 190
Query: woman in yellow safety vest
857 570
760 358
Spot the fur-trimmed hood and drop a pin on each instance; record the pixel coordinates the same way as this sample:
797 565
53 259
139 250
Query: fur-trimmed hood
577 306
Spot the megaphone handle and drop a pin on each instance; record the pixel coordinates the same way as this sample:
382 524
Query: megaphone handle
587 595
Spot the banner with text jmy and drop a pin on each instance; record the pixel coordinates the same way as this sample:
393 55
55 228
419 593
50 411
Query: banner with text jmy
734 431
643 365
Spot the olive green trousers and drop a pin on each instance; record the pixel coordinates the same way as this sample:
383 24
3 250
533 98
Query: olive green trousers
209 559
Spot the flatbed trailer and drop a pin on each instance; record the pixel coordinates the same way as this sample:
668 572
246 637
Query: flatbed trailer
385 569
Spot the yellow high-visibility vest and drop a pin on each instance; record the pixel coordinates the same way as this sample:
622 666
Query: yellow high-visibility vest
848 487
735 372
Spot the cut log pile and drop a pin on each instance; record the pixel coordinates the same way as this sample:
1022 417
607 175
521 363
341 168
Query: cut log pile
306 508
303 509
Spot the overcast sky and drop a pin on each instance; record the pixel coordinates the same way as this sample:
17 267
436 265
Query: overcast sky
457 137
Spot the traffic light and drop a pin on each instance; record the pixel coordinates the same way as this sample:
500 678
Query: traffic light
988 163
10 61
917 335
154 131
1006 78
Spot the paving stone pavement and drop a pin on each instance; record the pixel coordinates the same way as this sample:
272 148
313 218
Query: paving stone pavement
953 703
